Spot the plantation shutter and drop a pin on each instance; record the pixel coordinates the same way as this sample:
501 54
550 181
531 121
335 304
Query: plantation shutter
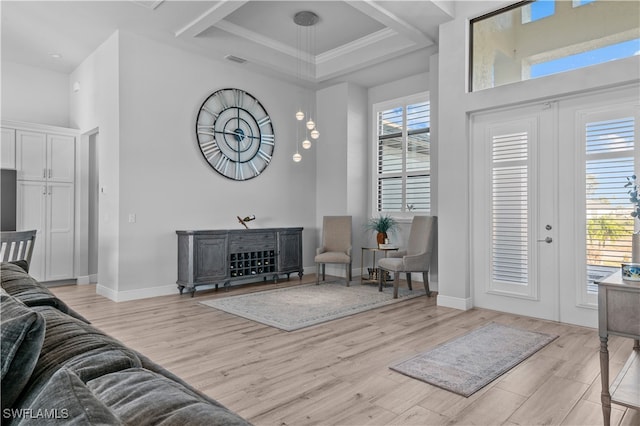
609 161
404 159
509 204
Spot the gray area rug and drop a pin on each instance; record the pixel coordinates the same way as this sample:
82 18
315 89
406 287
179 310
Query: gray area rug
466 364
297 307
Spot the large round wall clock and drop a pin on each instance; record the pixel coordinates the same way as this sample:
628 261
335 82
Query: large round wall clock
235 134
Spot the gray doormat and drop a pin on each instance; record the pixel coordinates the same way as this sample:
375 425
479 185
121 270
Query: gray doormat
466 364
302 306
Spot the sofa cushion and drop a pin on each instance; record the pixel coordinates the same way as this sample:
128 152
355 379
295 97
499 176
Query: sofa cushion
78 346
141 397
22 333
23 264
29 291
64 400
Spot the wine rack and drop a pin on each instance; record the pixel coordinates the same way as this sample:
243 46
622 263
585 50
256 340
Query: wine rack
226 256
252 263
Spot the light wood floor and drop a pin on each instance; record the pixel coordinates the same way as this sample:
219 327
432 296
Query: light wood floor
337 373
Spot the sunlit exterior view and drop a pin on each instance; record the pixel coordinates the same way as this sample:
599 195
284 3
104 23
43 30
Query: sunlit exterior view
404 159
508 46
609 162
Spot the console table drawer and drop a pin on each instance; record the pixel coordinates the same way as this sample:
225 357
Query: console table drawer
623 315
252 242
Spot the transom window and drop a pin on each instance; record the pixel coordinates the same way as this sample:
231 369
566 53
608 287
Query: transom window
532 39
403 155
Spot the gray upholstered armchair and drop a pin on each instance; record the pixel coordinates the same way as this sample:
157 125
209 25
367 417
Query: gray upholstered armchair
336 245
416 258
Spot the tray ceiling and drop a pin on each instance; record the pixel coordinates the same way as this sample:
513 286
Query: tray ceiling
353 38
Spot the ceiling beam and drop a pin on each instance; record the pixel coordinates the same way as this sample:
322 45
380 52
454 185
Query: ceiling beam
257 38
212 16
387 18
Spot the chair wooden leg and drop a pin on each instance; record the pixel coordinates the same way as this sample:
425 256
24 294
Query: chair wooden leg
409 280
425 278
323 271
381 273
396 283
317 273
347 275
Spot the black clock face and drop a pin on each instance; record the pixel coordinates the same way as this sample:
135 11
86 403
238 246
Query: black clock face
235 134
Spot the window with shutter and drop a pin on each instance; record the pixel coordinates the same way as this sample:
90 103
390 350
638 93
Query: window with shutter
403 156
509 200
609 161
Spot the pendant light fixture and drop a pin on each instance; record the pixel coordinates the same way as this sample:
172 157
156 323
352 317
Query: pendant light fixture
306 47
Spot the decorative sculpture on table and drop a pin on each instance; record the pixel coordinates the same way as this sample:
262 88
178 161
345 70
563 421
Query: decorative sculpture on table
246 219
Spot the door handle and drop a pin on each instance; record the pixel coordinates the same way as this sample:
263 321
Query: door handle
547 240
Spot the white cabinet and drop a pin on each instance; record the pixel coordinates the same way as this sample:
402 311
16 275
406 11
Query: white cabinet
45 159
8 148
49 208
41 156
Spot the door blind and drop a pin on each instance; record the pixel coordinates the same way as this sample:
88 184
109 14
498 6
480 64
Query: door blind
510 208
609 225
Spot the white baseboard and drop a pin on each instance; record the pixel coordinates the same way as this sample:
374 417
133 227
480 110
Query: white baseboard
141 293
455 302
166 290
107 292
83 280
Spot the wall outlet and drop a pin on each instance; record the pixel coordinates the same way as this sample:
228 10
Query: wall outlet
132 218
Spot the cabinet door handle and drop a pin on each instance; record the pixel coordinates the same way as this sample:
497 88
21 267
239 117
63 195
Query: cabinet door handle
50 173
44 173
44 189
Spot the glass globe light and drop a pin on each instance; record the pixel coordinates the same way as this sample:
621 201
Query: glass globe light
310 124
297 157
299 115
306 144
315 134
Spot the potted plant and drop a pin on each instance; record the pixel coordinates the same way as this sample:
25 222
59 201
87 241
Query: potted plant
382 224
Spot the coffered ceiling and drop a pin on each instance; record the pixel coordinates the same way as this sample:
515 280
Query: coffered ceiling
354 40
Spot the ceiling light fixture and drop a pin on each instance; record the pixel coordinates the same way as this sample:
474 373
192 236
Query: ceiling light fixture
306 50
236 59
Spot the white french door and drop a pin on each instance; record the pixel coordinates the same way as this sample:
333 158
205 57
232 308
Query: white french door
514 218
548 216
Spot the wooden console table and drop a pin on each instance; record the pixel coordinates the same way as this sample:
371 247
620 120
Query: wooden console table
223 256
619 314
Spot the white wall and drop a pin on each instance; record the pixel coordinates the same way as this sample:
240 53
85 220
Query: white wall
397 89
96 106
331 158
331 151
454 106
342 162
34 95
358 165
165 181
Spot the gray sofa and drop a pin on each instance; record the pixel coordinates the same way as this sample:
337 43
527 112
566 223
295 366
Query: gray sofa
59 369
